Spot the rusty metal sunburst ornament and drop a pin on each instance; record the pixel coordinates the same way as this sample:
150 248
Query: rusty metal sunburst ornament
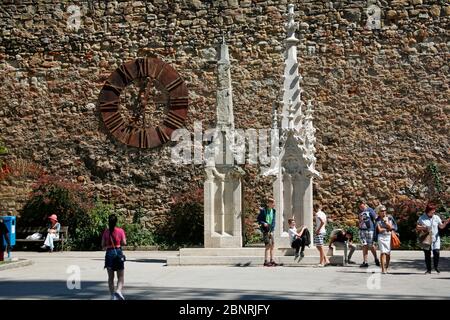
156 86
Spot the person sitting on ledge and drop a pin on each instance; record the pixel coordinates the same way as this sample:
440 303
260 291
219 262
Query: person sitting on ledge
299 238
345 238
52 233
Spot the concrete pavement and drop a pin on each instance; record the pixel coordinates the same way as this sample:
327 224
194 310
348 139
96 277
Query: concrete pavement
148 277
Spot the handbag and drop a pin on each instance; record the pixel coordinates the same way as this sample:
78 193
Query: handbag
395 240
425 239
118 259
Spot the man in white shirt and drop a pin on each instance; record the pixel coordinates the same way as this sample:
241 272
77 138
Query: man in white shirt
319 234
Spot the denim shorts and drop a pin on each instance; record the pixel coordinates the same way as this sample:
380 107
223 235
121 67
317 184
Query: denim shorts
109 260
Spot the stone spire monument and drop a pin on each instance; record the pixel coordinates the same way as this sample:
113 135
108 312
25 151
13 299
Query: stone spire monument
294 169
223 186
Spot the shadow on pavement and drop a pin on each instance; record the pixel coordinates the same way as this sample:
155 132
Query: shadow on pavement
98 290
419 264
148 260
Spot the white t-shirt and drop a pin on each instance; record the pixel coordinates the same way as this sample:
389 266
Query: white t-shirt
433 225
292 233
321 216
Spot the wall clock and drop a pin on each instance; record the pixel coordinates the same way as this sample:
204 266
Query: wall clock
138 94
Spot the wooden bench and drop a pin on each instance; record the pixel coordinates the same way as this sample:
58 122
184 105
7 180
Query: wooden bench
22 233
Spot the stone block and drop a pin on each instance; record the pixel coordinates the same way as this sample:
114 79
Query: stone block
435 10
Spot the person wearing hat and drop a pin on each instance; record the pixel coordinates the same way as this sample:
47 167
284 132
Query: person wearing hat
53 232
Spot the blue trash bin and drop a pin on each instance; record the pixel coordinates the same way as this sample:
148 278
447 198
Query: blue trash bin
10 223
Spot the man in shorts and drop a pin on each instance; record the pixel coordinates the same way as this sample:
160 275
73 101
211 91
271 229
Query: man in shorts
367 217
266 220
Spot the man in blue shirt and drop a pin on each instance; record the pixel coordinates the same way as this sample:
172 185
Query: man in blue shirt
367 217
266 220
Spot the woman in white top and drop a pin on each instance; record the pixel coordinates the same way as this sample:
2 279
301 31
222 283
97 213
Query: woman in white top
429 223
297 238
385 226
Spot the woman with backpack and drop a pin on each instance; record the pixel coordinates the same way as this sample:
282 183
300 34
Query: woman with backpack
112 240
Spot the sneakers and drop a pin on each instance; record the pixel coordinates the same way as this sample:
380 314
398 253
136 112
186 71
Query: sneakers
296 255
320 265
437 270
428 272
267 264
364 265
273 264
351 262
113 297
302 254
377 262
44 247
119 295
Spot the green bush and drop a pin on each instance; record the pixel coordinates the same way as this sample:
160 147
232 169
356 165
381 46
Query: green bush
89 229
55 195
184 226
3 150
136 234
75 209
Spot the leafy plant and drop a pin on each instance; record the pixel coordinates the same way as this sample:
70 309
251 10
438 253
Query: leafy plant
250 228
52 194
4 169
89 229
136 234
185 222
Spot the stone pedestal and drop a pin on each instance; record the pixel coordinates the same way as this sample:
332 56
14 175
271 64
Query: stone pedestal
223 209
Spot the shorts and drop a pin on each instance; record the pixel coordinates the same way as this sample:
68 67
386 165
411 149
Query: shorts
366 237
268 238
318 239
109 260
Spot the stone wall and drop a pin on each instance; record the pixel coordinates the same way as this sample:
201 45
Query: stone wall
381 97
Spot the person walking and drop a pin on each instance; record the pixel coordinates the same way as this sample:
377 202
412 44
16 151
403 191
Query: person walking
112 240
367 217
266 220
428 224
385 225
319 234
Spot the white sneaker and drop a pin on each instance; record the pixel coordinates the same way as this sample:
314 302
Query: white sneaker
320 265
119 295
113 297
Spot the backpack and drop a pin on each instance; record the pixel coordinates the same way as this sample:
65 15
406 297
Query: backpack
307 236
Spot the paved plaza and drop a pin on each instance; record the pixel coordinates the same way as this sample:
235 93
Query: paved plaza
148 277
